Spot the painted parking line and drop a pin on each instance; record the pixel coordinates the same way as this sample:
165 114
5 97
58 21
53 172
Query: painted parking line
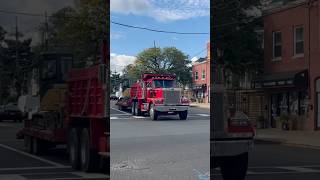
32 156
119 111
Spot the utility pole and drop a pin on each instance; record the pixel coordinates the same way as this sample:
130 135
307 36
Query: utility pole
46 31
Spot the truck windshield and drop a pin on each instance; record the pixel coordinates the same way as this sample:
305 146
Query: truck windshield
164 83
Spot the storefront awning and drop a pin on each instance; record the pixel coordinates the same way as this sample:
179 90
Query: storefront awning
297 79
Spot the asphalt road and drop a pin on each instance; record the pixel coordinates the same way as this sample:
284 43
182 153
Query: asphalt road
16 164
169 148
277 162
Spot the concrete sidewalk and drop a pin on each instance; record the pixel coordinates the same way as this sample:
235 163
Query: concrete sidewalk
200 105
309 139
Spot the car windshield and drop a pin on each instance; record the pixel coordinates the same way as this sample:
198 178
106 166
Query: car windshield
164 83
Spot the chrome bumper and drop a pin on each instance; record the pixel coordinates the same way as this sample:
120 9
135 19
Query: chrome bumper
170 108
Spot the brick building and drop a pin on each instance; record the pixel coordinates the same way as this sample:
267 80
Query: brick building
291 80
201 78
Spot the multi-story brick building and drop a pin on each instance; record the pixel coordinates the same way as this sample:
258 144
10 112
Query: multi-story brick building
201 78
291 82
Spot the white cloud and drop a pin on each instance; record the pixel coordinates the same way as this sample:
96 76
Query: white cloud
130 6
116 35
119 61
163 10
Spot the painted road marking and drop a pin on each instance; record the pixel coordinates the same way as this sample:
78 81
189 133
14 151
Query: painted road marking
139 117
120 111
34 157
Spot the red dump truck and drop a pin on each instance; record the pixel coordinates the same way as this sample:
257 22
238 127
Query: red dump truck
232 134
72 111
156 94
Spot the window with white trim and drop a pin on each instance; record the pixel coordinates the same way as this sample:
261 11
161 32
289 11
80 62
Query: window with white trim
277 44
196 75
298 40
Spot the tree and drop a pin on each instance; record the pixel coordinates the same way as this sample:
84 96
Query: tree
15 63
236 43
160 61
78 30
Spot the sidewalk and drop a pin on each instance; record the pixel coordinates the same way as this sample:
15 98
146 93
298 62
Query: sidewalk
200 105
310 139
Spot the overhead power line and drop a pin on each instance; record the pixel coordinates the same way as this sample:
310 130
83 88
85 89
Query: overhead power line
155 30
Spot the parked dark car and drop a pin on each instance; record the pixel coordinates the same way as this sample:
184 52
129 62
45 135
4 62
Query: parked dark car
10 112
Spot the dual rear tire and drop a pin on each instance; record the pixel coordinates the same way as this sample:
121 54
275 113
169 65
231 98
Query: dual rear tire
81 155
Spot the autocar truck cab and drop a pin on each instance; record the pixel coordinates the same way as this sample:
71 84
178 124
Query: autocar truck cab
165 95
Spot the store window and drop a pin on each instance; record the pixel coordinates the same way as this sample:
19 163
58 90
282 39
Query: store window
298 40
277 44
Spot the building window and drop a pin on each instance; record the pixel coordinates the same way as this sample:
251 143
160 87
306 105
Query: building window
203 74
277 47
298 40
196 75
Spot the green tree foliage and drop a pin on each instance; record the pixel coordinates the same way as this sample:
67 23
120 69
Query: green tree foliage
236 43
160 61
78 30
15 63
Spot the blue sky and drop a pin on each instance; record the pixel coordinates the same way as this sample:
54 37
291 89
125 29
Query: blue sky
169 15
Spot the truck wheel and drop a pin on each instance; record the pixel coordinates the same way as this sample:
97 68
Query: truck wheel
234 168
133 106
137 109
89 159
37 146
153 113
28 144
74 148
183 115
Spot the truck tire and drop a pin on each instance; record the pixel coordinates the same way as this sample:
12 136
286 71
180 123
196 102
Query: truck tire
73 145
183 115
234 168
37 146
137 109
89 159
133 106
28 144
153 113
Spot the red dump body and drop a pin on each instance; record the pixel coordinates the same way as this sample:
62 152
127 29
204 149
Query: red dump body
85 110
86 94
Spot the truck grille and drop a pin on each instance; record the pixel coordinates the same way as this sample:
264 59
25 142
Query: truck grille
171 96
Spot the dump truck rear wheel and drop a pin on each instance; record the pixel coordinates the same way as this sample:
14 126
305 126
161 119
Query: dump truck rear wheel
88 158
74 148
28 144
